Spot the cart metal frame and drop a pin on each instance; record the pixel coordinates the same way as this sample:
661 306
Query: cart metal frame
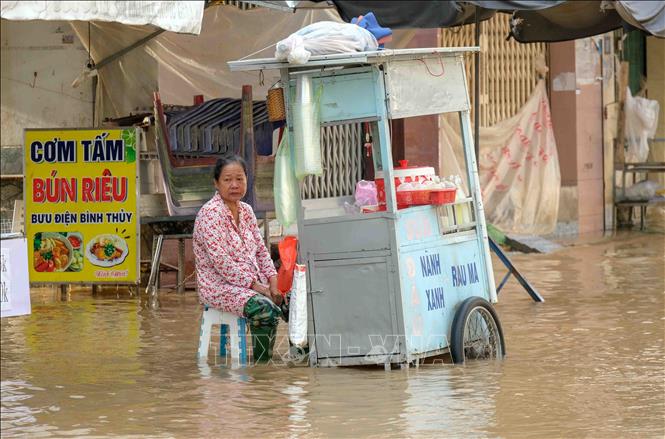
383 287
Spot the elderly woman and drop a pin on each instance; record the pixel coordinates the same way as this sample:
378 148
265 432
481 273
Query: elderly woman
233 266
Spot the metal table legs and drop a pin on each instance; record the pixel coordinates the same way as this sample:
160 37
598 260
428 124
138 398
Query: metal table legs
157 246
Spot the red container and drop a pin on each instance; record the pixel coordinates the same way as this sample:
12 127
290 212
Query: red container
403 174
413 198
404 198
371 209
442 196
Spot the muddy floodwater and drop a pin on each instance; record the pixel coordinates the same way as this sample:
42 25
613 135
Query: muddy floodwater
589 362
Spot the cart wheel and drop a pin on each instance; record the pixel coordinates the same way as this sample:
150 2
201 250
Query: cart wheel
476 332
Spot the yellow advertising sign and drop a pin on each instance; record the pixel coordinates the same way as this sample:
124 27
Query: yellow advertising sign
81 205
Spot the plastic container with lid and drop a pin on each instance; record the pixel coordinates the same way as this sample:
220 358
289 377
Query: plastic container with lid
403 174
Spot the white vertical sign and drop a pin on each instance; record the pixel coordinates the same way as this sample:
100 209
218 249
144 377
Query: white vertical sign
14 283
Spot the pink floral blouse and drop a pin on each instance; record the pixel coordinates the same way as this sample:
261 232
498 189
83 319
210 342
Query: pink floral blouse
229 257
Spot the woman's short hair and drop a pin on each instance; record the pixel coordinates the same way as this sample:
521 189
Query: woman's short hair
228 159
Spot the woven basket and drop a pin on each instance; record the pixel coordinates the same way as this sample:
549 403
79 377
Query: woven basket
275 102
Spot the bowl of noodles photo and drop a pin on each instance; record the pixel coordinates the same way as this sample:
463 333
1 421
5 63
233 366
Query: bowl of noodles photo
52 252
106 250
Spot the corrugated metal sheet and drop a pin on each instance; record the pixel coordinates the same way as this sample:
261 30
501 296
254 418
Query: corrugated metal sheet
238 4
508 68
341 156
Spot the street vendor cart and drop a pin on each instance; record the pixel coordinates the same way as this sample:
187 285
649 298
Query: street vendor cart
400 283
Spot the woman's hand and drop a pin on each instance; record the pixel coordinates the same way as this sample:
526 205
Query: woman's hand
276 296
261 288
271 291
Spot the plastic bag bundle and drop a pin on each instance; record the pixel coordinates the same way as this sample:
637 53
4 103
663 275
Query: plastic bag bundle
288 252
642 191
641 124
322 38
307 128
298 308
285 186
366 194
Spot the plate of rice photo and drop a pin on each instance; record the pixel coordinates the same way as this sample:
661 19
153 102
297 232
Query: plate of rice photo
106 250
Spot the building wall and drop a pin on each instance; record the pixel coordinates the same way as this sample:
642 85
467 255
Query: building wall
589 135
656 90
610 125
577 116
39 62
563 105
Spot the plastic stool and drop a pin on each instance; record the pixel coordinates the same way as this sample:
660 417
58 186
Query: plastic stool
230 324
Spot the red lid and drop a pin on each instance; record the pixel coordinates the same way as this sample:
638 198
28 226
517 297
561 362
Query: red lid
426 171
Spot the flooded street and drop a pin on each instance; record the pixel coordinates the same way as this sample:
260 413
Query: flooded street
589 362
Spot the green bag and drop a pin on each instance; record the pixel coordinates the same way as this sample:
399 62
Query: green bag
286 185
307 134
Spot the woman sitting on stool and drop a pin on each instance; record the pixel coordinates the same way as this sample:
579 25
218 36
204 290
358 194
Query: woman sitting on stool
233 266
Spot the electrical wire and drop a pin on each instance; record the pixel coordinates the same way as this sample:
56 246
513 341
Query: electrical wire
443 70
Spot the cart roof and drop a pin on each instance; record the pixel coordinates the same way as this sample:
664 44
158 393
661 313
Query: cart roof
339 59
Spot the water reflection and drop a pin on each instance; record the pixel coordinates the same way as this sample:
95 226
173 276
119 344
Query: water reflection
442 399
587 363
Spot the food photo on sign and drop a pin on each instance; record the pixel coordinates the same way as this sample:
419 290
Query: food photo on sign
107 250
53 251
